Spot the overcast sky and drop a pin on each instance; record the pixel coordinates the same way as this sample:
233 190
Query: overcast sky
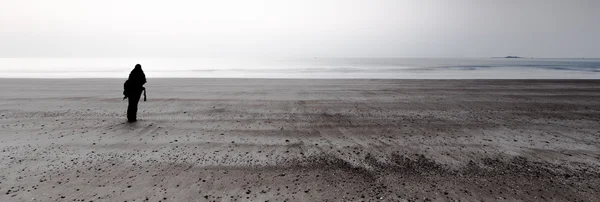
300 28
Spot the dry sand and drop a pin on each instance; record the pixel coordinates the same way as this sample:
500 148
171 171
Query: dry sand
301 140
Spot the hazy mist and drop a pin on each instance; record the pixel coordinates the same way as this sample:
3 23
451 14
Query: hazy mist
305 28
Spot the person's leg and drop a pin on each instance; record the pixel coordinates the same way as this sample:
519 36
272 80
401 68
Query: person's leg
132 108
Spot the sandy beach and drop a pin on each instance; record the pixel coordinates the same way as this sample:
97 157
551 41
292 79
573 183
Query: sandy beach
301 140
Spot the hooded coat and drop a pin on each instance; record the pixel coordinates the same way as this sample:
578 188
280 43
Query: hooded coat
135 82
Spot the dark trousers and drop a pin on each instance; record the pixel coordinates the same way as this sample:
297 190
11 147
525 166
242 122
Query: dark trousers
134 98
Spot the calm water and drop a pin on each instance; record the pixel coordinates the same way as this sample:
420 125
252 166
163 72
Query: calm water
383 68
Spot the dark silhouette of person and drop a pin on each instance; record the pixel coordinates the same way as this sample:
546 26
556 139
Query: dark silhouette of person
133 88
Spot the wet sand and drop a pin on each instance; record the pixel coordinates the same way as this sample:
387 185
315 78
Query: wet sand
301 140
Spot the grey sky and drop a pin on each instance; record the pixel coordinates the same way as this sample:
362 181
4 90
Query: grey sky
304 28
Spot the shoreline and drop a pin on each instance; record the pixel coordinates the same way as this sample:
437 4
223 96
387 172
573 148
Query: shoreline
240 78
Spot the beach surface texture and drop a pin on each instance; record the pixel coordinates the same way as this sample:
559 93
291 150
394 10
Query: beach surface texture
301 140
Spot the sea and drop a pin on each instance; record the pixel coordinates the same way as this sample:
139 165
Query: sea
306 68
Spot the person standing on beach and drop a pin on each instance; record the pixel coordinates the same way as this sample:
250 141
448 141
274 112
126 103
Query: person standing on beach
133 90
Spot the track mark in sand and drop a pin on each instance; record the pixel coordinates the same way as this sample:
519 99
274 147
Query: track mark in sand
149 129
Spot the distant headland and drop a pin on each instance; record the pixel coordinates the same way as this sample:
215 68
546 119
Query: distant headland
510 56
